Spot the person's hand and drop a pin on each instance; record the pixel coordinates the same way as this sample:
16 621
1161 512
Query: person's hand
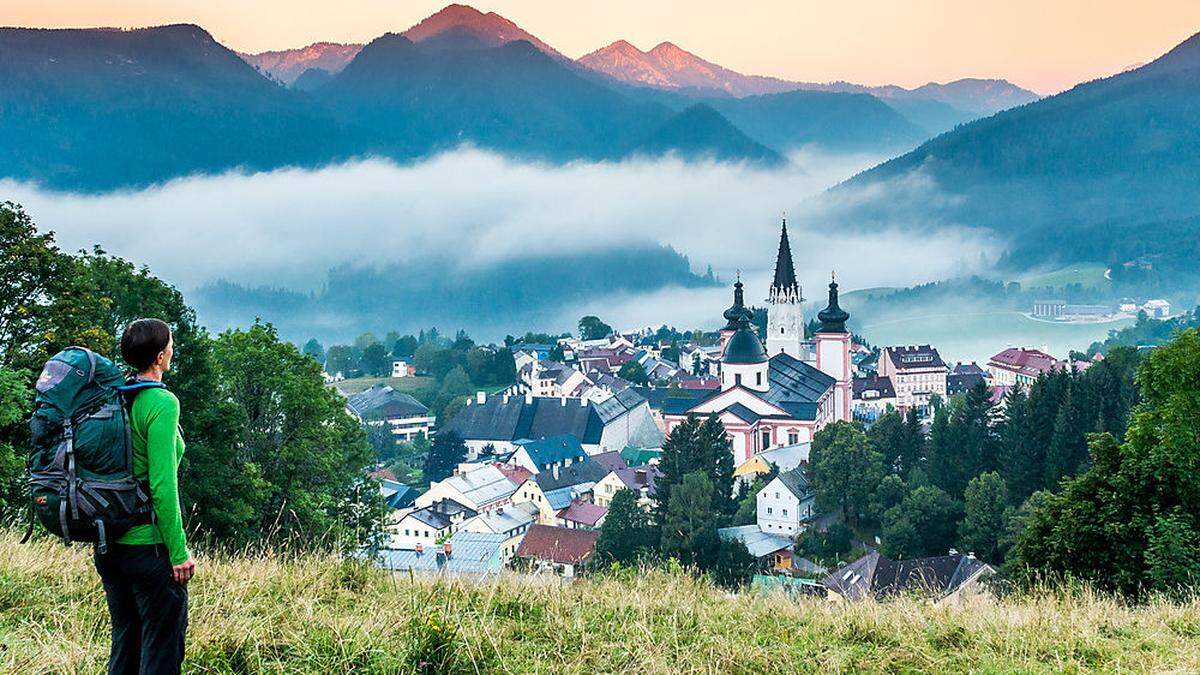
183 572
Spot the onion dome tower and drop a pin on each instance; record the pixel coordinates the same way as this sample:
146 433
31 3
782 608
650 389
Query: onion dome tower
833 351
744 359
785 317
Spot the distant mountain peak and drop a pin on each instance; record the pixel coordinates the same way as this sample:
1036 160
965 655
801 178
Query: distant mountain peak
287 65
490 30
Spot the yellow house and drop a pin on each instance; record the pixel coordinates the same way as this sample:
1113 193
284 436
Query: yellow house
785 459
638 479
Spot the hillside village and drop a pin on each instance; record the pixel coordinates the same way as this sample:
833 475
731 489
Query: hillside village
542 459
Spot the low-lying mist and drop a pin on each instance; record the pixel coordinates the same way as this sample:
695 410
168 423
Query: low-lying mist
475 211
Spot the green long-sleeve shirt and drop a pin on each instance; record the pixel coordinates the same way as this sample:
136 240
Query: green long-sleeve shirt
157 449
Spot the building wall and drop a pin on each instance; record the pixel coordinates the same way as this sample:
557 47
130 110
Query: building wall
779 511
785 328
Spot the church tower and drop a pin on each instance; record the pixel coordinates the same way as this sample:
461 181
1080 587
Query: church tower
785 316
833 352
744 360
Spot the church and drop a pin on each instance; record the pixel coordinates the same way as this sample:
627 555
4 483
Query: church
782 391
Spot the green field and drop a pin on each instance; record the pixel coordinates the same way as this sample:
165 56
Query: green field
1088 275
975 336
279 612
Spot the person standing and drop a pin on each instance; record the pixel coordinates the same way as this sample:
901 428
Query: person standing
146 572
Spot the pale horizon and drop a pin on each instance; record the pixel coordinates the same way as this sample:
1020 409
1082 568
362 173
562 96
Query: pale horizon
1044 49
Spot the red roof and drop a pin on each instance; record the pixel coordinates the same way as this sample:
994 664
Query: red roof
558 544
1032 362
584 513
517 474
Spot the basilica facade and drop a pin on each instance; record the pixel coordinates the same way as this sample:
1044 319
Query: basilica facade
778 392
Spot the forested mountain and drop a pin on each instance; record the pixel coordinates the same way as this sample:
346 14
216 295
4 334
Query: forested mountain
839 121
492 298
102 108
287 65
1108 170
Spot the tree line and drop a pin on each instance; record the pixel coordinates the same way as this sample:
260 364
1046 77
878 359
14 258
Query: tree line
270 451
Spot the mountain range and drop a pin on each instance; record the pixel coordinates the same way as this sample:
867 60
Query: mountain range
96 109
1108 171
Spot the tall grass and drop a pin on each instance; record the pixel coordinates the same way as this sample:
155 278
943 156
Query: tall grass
318 614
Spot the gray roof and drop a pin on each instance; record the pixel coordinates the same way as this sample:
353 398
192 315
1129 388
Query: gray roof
796 386
439 515
878 383
577 473
471 553
759 543
915 356
500 521
497 419
796 482
483 485
875 576
384 402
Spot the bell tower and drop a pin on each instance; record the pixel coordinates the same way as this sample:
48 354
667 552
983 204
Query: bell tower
785 315
833 351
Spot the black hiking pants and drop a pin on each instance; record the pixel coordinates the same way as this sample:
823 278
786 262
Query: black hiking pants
148 610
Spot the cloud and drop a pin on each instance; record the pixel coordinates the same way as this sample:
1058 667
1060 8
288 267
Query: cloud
474 208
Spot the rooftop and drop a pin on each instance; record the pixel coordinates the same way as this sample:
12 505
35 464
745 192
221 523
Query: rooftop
875 576
558 544
915 356
383 402
585 513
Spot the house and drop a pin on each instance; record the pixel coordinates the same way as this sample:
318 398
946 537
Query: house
582 515
552 379
512 522
917 373
537 350
502 420
403 368
546 453
428 525
481 490
1020 365
785 505
942 578
771 401
638 479
773 552
964 377
700 359
782 459
603 359
1049 308
1157 309
467 554
554 490
397 495
557 549
381 404
873 397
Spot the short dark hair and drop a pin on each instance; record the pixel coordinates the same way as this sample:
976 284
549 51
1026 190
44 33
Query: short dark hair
142 341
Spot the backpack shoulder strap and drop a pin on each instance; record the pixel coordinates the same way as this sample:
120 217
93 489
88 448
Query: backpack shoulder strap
134 386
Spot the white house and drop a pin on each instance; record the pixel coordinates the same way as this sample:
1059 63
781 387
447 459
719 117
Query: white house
785 504
426 526
404 415
402 368
510 521
481 490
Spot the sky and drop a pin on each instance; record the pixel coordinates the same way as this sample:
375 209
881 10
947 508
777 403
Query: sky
1043 45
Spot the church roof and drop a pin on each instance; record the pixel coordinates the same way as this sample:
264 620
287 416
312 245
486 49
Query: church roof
744 347
794 386
785 272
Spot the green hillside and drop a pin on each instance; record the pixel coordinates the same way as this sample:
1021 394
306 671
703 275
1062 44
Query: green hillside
317 615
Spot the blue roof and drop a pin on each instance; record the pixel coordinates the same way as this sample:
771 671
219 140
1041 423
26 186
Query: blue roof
553 449
398 495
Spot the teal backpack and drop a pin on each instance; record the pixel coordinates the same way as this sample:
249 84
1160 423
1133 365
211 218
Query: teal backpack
81 459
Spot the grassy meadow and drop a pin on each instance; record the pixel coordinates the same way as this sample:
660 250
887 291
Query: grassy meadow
316 614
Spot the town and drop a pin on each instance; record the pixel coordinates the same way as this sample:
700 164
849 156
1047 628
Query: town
523 477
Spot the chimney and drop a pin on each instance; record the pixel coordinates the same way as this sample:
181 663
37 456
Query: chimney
971 555
563 399
953 551
506 397
582 402
446 549
554 471
529 398
480 397
420 548
640 476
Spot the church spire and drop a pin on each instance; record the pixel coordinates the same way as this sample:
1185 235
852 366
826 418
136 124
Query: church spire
785 272
737 315
833 318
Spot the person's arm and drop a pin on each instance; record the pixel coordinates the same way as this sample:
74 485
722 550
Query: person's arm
164 475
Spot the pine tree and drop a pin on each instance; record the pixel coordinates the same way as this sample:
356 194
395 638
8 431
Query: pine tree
986 519
845 470
689 532
626 534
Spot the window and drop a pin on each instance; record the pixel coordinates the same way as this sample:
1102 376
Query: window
737 379
781 330
766 439
785 512
758 379
768 510
793 438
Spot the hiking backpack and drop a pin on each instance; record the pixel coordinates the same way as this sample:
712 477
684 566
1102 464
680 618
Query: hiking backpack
81 478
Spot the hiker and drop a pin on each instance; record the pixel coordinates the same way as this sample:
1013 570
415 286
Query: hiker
146 571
